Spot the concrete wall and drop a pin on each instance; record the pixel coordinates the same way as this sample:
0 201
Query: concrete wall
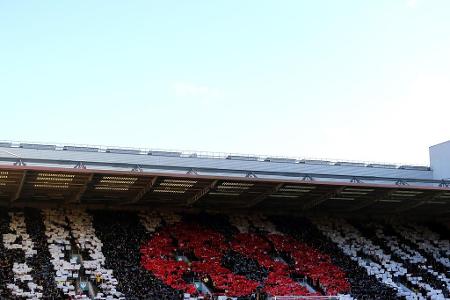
440 160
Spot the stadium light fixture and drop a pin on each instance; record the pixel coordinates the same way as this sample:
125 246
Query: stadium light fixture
311 187
390 200
295 190
403 195
233 187
52 178
282 196
118 182
341 198
111 188
408 192
359 190
169 191
224 194
237 184
353 193
52 186
180 181
3 177
183 185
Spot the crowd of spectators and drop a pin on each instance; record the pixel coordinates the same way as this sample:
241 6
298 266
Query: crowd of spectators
122 234
23 249
238 263
6 257
168 256
206 248
44 273
408 255
363 286
244 265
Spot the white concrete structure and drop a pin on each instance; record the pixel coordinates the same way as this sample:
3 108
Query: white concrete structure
440 160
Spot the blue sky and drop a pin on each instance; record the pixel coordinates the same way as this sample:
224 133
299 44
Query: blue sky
361 80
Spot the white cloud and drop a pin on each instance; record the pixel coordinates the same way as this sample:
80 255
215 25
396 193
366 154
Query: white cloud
186 89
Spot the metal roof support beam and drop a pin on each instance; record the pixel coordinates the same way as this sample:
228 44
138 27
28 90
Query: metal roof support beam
201 193
411 205
80 165
20 163
444 213
251 175
355 180
401 182
316 201
81 192
368 202
144 191
258 199
362 204
417 203
137 168
19 189
444 184
307 177
192 172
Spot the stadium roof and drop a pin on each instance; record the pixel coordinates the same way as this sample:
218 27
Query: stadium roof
41 175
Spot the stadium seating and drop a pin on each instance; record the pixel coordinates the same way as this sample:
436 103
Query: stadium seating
383 257
67 268
421 273
43 272
94 260
122 235
363 285
76 254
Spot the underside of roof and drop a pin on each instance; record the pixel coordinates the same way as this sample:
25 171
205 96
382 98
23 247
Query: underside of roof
22 186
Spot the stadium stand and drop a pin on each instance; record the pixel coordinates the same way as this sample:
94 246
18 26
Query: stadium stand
404 270
423 274
122 235
110 223
114 254
363 285
42 260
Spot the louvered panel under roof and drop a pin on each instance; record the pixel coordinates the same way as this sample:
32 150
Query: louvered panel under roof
175 190
300 192
355 193
444 196
47 185
9 183
233 192
301 196
294 191
405 194
112 186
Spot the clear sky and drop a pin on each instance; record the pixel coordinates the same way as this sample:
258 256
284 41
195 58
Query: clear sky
360 80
